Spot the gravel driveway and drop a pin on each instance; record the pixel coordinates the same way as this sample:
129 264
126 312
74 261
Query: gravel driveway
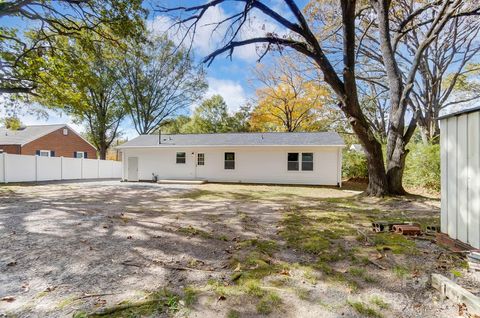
85 246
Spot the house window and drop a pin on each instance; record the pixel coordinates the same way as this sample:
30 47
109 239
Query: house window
293 161
200 159
80 154
43 153
65 131
181 157
229 160
307 161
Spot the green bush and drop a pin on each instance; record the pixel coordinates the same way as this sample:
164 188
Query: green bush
422 167
354 165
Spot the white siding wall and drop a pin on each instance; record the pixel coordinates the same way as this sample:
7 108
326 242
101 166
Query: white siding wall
460 164
252 165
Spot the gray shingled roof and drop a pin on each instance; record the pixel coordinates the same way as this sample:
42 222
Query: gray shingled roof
27 134
238 139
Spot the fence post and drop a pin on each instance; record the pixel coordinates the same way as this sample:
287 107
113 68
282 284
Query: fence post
98 168
4 167
36 168
81 168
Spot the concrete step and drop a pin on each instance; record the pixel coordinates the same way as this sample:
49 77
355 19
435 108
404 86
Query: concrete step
182 181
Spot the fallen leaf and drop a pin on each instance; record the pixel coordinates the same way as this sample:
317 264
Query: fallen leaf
221 298
8 299
236 276
238 268
129 237
285 272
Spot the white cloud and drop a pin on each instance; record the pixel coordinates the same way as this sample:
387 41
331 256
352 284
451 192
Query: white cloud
231 91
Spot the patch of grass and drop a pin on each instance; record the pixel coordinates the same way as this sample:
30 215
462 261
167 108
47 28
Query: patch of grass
233 314
280 282
379 302
302 293
66 302
310 275
264 246
300 233
196 194
192 231
80 314
456 273
397 243
268 303
364 309
362 274
400 271
155 303
190 295
252 288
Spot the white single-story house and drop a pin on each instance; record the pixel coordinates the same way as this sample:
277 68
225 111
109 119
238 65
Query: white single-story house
460 175
277 158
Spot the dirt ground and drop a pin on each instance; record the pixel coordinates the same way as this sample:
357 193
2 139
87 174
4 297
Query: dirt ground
112 249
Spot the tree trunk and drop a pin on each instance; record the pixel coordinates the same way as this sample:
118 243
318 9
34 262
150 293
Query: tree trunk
395 168
102 151
377 180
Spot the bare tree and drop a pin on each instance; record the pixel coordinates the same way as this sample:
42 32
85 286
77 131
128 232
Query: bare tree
444 71
342 77
157 82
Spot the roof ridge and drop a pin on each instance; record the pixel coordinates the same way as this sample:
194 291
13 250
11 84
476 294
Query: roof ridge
245 133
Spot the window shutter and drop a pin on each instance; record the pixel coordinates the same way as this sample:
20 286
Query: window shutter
52 153
37 152
85 155
74 154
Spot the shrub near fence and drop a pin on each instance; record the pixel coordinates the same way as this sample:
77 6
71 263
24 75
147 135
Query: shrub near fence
422 166
21 168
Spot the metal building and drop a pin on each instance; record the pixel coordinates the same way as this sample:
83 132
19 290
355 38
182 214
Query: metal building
460 174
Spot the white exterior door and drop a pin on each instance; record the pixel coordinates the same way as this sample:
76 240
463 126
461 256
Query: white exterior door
199 165
132 168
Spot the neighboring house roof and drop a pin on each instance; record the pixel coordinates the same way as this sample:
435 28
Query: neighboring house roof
237 139
28 134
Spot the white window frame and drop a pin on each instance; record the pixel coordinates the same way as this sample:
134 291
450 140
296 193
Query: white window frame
225 160
79 152
184 158
202 161
65 131
300 161
45 151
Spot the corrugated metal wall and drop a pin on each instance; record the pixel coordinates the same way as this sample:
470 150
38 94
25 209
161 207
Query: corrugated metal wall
460 165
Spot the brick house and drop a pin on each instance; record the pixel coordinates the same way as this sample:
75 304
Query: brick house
46 140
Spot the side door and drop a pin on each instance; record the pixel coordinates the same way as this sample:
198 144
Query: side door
132 168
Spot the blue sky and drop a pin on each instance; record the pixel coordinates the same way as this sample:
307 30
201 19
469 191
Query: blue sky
230 78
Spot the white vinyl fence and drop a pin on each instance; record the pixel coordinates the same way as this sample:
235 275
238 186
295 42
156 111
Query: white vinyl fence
20 168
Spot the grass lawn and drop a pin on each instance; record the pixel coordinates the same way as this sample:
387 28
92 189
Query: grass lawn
109 249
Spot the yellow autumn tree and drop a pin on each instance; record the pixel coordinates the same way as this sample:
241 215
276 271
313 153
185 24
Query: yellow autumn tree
287 101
